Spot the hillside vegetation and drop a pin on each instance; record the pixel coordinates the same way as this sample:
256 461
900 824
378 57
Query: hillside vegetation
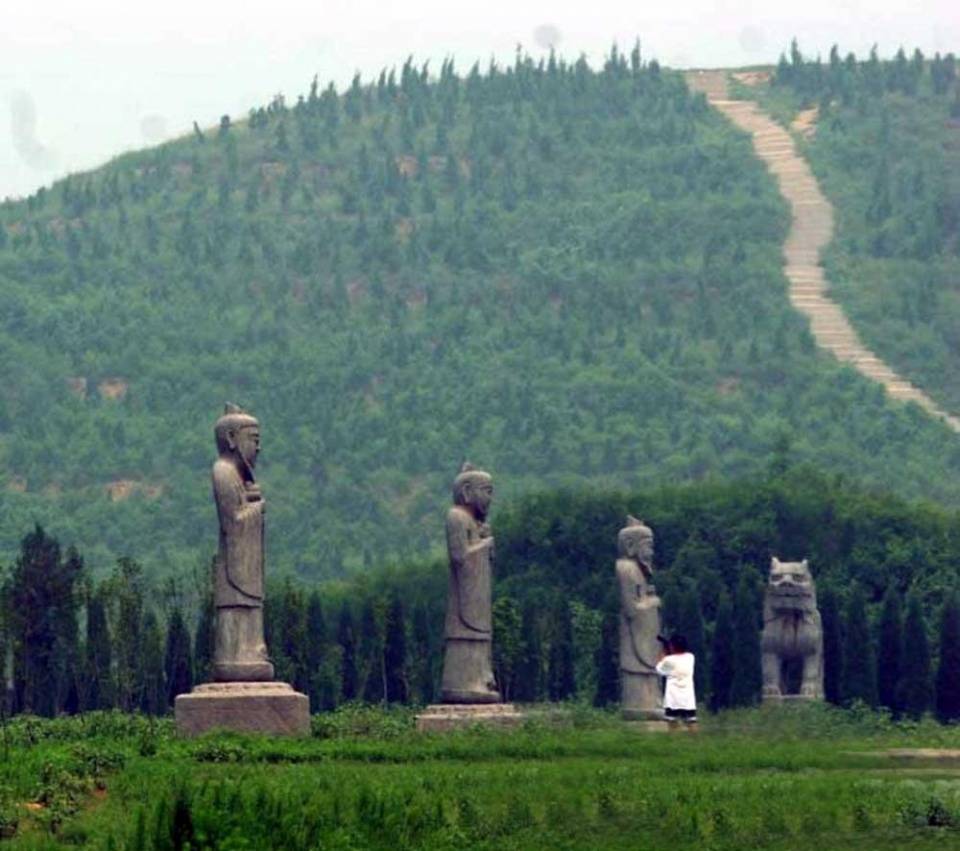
567 275
886 149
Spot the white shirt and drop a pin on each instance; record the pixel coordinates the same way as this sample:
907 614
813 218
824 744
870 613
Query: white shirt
678 669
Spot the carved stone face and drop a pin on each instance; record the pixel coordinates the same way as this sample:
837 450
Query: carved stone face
479 495
790 585
640 547
247 444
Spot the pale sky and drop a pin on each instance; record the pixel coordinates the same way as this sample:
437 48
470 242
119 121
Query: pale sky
81 82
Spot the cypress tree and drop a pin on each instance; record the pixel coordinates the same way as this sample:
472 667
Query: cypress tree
690 624
722 657
915 657
97 675
127 586
348 654
889 644
395 653
67 647
560 676
178 660
608 662
529 685
203 642
316 646
507 649
42 598
747 678
371 654
422 675
148 683
291 637
948 669
859 673
832 646
5 707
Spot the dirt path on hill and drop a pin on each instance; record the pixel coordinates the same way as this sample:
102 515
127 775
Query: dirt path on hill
810 231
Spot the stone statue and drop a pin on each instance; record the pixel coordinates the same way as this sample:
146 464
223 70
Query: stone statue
243 696
240 653
792 638
468 630
640 697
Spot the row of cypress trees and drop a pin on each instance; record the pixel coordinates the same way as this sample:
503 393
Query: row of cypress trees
75 646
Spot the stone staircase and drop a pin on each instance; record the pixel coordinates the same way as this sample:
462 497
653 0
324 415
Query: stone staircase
810 231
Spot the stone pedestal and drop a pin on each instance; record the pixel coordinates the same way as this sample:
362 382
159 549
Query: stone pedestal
632 714
255 707
440 717
779 699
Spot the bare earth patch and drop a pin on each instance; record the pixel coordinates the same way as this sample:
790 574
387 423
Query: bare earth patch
806 122
752 78
915 753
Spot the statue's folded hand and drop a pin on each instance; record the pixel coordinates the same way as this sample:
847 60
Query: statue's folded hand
481 545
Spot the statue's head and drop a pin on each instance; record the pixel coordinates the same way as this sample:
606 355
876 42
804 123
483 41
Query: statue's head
473 489
790 586
635 540
238 434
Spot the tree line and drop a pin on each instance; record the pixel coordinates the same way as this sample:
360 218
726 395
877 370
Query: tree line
129 643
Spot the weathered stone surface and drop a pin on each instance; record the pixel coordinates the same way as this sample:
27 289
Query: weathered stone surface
792 633
441 717
240 654
640 694
244 707
468 630
244 696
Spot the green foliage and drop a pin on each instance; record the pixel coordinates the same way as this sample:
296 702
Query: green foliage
746 683
889 649
833 647
495 266
723 657
395 653
40 599
859 668
915 683
948 668
886 154
178 658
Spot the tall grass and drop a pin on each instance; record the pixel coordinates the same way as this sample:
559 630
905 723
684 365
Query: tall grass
797 777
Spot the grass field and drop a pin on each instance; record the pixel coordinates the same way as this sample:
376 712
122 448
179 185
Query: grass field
806 777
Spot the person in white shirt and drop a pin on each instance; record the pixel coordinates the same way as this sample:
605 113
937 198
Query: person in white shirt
679 699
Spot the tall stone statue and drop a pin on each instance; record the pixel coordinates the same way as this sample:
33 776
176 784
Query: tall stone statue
640 697
792 640
243 695
468 630
240 653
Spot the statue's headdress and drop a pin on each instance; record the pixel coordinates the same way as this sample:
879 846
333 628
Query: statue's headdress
234 418
634 529
468 475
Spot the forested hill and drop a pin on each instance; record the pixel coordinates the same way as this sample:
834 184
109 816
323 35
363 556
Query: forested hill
884 140
564 274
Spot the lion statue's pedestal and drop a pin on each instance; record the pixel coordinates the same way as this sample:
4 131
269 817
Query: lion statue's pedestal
792 639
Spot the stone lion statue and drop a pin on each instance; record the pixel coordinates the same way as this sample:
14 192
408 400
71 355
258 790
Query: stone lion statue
792 639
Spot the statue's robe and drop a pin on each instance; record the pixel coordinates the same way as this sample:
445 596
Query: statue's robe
468 594
239 568
639 624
